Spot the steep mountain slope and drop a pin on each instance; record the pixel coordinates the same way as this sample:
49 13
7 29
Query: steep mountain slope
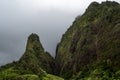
35 56
91 46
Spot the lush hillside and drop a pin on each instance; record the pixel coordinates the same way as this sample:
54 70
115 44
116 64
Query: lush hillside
13 74
35 56
90 48
35 64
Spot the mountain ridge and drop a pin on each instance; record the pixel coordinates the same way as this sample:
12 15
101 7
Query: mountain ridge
88 50
90 41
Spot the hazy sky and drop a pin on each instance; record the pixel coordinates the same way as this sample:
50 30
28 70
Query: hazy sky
48 18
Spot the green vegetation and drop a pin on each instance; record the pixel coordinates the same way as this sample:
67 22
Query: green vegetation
89 50
35 64
11 74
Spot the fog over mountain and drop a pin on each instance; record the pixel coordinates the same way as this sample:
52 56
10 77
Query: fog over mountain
48 18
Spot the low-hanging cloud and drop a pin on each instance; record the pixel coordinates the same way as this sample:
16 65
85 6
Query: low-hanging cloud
48 18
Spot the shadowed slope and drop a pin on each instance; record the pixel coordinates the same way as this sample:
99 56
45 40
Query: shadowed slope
91 43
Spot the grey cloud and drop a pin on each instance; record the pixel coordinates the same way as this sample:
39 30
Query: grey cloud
16 25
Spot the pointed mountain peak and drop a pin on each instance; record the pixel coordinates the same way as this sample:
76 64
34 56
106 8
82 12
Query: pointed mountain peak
34 42
36 56
33 37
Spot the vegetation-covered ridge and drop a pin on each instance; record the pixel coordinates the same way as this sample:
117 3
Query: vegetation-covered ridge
89 50
35 64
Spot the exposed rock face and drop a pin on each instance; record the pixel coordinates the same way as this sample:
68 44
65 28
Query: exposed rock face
92 42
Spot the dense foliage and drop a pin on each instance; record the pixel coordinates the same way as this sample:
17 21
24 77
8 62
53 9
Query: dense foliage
35 64
89 50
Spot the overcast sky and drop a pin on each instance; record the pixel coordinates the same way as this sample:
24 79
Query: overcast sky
48 18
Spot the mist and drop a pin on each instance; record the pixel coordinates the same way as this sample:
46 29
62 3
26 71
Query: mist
47 18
